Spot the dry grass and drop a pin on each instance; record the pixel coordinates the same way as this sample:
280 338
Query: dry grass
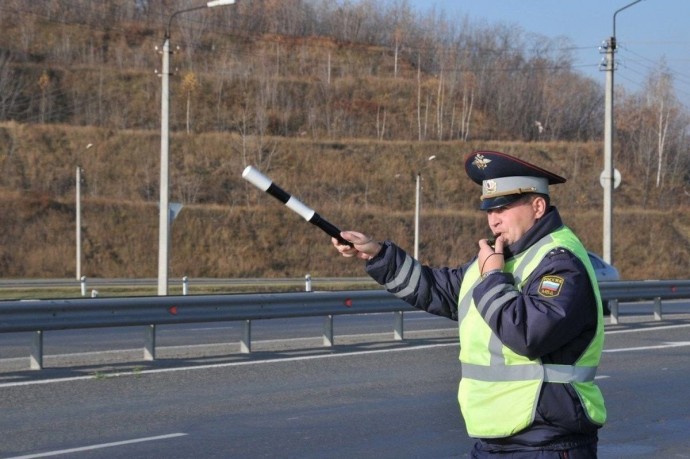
229 229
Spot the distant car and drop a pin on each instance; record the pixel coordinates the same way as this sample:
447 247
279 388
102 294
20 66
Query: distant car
604 272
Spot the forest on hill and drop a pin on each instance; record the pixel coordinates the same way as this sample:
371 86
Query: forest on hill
343 102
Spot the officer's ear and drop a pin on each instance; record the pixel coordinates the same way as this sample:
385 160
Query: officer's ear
539 206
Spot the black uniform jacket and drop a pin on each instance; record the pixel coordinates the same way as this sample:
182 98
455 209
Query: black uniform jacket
556 329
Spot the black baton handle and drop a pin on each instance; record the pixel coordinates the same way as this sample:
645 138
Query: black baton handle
329 228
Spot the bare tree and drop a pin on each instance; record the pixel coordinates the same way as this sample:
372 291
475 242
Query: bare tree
440 96
419 100
10 87
661 100
44 86
190 85
468 89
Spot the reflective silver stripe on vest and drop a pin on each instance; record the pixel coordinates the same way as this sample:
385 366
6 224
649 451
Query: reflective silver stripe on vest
568 373
488 308
409 265
466 301
551 373
518 271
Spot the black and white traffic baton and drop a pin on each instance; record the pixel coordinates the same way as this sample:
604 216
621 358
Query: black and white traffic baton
259 180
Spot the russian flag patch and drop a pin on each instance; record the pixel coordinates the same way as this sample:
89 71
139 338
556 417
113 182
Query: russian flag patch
550 286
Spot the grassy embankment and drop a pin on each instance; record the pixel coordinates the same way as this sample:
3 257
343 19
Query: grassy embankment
228 229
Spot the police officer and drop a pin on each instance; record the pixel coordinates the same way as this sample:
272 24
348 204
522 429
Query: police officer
529 313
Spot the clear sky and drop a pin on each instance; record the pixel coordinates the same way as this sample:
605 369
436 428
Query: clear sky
646 32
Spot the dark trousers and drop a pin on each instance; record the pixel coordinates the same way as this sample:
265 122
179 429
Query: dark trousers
579 452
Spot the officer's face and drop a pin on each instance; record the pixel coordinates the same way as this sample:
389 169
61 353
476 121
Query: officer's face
513 220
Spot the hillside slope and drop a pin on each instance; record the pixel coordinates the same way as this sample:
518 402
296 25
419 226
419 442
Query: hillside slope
229 229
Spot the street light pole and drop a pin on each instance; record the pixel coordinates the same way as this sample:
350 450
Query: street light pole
608 178
418 189
165 164
78 222
164 203
78 216
398 331
417 205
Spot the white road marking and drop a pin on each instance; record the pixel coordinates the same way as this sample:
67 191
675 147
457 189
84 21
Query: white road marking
101 446
647 348
221 365
637 330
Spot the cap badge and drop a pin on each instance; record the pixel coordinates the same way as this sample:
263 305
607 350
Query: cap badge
480 162
489 186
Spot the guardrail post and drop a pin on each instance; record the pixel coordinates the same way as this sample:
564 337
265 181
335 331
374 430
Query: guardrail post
307 283
150 342
657 308
246 343
328 331
185 285
36 358
83 285
613 306
398 327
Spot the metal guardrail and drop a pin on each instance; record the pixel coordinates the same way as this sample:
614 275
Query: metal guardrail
656 290
38 316
59 314
645 290
62 314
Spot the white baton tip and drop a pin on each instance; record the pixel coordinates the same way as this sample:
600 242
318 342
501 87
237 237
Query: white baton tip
256 178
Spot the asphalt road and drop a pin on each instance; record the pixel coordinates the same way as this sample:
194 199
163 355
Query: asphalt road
364 398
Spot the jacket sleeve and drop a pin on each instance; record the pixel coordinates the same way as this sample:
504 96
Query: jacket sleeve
432 290
555 314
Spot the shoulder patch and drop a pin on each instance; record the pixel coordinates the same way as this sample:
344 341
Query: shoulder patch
550 286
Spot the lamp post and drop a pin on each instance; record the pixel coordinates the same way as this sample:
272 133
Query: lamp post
417 204
78 216
78 222
164 219
398 328
608 175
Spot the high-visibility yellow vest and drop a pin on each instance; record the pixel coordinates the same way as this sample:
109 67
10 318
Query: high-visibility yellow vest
499 389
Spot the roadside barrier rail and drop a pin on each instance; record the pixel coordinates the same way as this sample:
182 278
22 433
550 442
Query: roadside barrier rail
656 290
38 316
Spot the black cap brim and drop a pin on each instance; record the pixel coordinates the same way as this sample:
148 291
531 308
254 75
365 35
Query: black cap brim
500 201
